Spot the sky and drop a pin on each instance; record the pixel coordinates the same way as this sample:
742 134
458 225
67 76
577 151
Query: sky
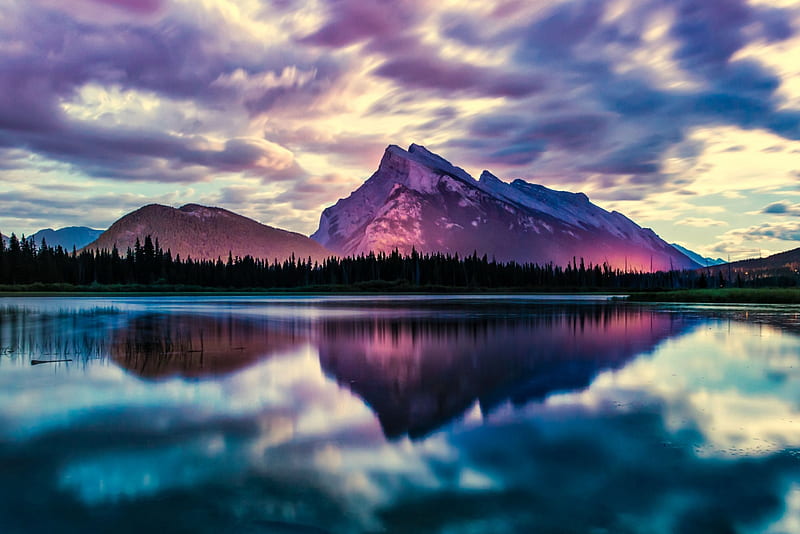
682 114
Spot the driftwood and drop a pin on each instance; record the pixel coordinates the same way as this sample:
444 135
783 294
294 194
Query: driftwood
39 362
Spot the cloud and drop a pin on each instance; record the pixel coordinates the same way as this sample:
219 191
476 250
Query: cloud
735 148
171 59
262 91
555 36
784 231
700 222
350 149
315 191
583 49
424 71
38 208
782 208
119 154
352 21
136 6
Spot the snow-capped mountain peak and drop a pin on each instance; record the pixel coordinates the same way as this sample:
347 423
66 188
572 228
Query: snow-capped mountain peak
418 199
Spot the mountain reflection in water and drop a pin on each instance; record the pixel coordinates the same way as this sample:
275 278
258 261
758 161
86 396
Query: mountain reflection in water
407 414
160 346
416 374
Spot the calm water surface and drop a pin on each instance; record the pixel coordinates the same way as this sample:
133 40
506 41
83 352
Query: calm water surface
397 414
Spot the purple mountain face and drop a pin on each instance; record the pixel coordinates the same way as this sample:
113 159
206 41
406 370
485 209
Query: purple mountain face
418 199
206 233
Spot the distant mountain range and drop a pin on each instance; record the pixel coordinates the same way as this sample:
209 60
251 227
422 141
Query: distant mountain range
697 258
206 233
418 199
66 238
784 262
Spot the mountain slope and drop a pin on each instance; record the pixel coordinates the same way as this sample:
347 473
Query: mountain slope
207 233
697 258
783 262
418 199
71 236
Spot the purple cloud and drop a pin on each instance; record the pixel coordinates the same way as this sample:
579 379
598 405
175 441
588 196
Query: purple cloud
353 21
625 124
429 72
555 35
170 58
710 32
136 6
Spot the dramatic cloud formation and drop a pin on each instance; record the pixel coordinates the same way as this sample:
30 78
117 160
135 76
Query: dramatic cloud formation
667 111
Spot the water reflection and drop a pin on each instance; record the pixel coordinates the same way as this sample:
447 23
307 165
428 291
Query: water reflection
151 345
163 345
417 374
296 417
417 369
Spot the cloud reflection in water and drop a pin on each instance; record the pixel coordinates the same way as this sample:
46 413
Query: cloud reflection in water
470 417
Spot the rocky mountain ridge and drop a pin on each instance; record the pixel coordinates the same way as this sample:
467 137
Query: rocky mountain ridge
417 199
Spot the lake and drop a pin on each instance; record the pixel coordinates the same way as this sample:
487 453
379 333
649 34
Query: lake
449 414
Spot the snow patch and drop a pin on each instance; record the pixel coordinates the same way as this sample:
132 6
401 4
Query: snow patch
386 211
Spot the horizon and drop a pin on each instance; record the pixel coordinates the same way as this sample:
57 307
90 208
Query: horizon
683 117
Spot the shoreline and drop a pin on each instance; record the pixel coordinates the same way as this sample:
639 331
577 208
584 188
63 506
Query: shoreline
688 296
721 296
367 288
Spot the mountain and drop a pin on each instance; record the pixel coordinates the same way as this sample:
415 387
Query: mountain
418 199
697 258
206 233
72 236
782 263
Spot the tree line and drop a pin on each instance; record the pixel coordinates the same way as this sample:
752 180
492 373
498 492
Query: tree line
22 262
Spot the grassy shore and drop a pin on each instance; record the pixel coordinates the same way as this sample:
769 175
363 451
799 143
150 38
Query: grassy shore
727 295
